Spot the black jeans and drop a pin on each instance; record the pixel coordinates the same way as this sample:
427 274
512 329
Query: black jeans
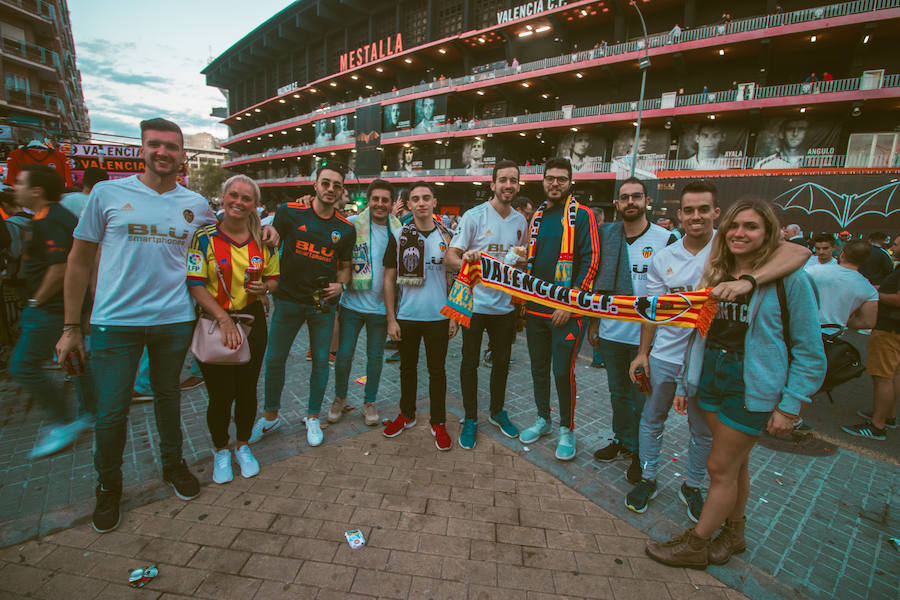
227 384
501 330
437 337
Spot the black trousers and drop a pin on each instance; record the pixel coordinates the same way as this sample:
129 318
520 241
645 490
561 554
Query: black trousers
501 330
436 335
236 384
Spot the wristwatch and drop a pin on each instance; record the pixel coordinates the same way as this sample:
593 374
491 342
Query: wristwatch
33 303
751 279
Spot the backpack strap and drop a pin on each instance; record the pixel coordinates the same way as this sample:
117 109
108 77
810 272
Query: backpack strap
785 316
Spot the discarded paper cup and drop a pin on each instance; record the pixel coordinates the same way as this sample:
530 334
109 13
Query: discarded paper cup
355 538
140 577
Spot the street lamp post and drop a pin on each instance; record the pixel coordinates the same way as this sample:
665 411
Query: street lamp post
643 65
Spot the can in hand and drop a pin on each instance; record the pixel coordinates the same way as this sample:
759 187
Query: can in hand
643 382
73 364
251 274
318 295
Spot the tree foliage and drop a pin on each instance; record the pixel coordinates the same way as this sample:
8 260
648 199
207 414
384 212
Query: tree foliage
207 180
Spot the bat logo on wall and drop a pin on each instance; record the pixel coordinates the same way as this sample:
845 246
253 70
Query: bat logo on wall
813 198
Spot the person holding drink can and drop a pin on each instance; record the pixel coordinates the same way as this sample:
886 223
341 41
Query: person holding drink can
228 271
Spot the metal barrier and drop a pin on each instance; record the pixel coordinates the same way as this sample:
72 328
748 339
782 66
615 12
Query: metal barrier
30 51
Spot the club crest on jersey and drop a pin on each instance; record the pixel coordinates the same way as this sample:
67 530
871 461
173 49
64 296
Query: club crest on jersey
649 307
188 215
647 252
335 237
443 246
256 262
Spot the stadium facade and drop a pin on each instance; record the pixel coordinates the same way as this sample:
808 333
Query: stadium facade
792 101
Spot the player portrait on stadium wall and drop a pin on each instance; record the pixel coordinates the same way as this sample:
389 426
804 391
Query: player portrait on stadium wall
343 129
407 159
431 112
396 116
476 159
653 145
711 145
792 142
323 131
584 150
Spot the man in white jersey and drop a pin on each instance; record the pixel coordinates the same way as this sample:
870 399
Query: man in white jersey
493 227
362 305
676 268
143 224
628 247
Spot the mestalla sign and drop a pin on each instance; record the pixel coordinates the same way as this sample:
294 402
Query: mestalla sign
528 9
392 44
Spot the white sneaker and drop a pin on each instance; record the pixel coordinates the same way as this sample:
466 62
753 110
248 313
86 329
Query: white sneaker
314 433
248 462
56 438
222 472
264 426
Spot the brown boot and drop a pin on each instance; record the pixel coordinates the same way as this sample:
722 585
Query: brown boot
685 550
729 541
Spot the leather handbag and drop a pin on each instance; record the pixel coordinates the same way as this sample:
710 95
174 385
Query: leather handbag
206 344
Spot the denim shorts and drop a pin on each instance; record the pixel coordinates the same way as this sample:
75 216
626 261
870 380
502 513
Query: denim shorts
721 391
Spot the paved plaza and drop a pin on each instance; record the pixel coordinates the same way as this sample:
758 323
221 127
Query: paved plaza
501 521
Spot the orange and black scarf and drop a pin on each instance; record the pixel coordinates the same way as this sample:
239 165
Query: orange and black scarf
686 309
563 274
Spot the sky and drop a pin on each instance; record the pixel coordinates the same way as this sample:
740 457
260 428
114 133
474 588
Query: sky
140 60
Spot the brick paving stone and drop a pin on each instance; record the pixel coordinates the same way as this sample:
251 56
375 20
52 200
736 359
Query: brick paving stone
228 587
219 559
275 590
169 551
470 571
582 585
387 585
271 568
326 575
259 541
63 585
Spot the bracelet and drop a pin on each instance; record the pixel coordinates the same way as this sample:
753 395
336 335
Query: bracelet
71 328
786 414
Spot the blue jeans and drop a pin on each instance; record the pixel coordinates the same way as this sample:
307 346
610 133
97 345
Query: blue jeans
287 319
597 356
351 324
116 352
41 329
142 383
663 377
627 402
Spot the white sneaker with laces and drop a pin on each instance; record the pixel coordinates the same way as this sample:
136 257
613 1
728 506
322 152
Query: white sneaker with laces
248 462
56 438
314 433
264 426
222 472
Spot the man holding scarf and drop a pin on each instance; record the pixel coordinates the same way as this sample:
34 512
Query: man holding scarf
495 228
415 260
363 303
563 248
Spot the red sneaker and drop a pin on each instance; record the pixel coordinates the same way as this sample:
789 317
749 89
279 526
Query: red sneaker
397 426
441 439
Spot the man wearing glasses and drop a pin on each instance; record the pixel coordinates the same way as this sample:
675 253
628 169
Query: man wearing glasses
563 234
315 270
628 249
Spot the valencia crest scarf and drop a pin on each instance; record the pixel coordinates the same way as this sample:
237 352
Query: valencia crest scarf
563 275
687 309
362 251
411 253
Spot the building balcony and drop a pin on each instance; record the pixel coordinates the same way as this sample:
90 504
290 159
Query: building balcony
46 105
43 59
710 103
741 30
39 11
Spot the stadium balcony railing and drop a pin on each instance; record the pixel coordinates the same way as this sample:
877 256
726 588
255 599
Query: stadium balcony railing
547 118
605 168
653 41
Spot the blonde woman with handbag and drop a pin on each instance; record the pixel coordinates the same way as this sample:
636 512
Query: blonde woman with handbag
230 272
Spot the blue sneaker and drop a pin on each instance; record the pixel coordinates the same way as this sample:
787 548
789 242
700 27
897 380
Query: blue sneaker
501 420
534 433
467 435
565 449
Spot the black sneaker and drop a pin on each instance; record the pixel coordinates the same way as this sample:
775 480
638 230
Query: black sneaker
641 495
182 481
634 472
610 452
888 423
865 430
487 358
693 500
106 512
